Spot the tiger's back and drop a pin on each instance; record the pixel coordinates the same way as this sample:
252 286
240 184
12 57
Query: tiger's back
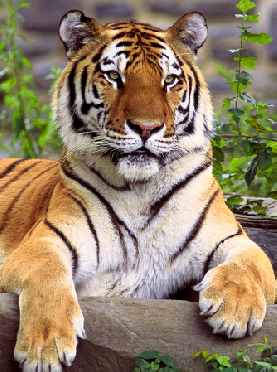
25 189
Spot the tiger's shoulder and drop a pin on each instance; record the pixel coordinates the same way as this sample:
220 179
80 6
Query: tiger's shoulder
26 186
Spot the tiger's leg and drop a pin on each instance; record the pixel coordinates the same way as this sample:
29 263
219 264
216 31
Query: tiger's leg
40 271
234 295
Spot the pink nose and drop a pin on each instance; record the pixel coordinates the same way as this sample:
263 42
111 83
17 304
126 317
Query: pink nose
143 129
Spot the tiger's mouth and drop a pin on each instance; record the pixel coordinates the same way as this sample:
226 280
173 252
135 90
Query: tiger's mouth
141 155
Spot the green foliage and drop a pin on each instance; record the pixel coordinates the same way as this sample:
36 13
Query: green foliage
154 361
245 146
25 118
242 362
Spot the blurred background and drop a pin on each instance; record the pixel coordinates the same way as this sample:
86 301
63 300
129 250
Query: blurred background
43 47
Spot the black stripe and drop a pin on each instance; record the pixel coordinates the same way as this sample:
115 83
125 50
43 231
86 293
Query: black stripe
195 228
107 61
126 187
125 52
95 92
117 222
90 225
149 27
156 45
184 121
176 66
18 175
66 241
190 128
187 91
9 210
182 110
124 44
123 34
71 87
87 106
119 83
11 167
156 207
97 56
164 55
77 123
149 36
212 253
119 26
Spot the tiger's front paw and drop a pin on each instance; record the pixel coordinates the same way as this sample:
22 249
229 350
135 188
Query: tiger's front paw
48 331
232 300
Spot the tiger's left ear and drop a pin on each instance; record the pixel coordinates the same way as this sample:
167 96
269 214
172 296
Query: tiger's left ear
76 30
191 29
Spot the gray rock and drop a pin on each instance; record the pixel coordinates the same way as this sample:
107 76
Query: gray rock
217 9
268 241
118 329
42 68
218 85
41 45
273 31
44 16
114 10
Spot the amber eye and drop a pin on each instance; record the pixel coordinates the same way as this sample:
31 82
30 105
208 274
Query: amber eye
170 79
113 75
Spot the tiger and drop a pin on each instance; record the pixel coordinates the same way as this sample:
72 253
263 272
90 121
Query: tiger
132 208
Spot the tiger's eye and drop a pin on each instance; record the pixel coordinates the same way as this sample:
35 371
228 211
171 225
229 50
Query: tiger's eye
113 75
170 79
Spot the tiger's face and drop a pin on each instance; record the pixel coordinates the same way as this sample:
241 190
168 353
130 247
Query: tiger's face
131 92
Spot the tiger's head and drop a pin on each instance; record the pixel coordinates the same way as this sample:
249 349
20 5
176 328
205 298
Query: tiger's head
132 92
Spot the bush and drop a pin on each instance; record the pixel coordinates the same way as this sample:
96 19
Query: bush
26 120
244 145
242 362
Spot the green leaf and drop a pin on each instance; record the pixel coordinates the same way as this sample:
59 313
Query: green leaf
262 364
247 62
149 355
251 171
167 360
245 5
257 38
252 18
234 201
141 363
223 360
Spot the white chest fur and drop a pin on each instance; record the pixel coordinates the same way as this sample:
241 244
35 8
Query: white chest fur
138 239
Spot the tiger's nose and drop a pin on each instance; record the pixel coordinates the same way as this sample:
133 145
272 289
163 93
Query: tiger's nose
145 130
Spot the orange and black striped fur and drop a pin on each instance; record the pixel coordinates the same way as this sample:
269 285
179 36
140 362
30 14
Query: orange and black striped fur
132 208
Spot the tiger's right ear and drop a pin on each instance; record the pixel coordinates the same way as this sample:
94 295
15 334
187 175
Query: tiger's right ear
76 30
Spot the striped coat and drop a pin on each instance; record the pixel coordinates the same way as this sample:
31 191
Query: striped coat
132 208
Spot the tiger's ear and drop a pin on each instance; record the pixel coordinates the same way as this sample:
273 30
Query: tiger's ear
191 29
76 30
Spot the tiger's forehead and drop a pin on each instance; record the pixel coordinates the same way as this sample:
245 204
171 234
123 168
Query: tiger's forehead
134 43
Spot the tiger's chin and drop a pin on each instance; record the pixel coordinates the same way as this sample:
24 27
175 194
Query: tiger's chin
135 169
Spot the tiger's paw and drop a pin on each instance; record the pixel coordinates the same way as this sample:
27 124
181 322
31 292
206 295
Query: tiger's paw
47 337
232 301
